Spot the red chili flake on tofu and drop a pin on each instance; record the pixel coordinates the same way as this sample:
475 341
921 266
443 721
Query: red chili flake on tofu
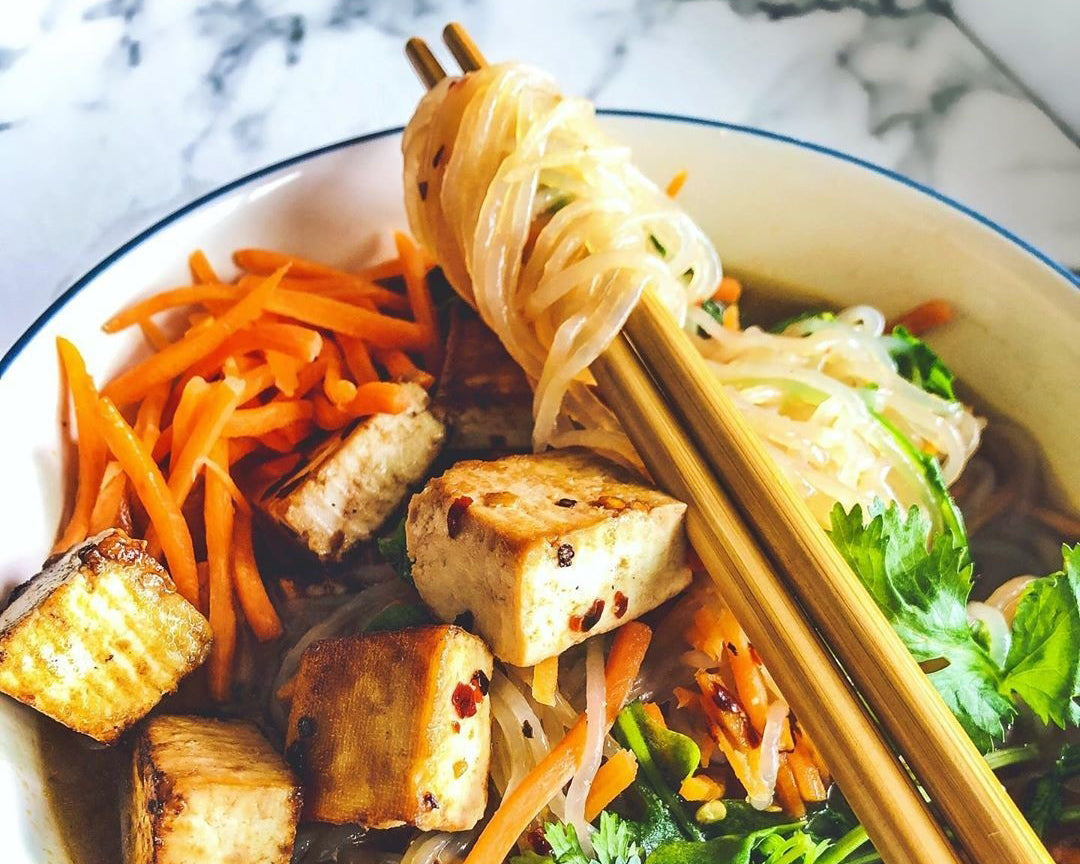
566 502
464 699
585 623
724 700
621 602
455 726
455 516
565 554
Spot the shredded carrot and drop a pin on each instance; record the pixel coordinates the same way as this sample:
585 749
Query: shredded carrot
924 317
611 780
240 448
287 690
787 790
730 318
256 380
654 712
92 454
266 261
728 291
749 682
258 610
256 422
274 469
174 359
545 682
352 289
416 286
286 371
150 487
532 794
337 389
400 367
309 376
341 317
358 359
806 776
328 416
385 270
676 183
218 515
109 506
201 271
148 418
188 295
378 397
155 336
184 417
215 410
286 439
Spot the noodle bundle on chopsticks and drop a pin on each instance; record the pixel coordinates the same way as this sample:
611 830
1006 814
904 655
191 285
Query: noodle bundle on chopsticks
546 228
544 225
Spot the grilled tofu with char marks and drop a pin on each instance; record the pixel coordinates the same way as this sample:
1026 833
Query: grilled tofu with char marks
209 791
394 728
483 394
544 550
343 493
99 636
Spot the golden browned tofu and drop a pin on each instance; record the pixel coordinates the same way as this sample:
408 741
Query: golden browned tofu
209 792
343 493
99 636
544 550
394 729
483 394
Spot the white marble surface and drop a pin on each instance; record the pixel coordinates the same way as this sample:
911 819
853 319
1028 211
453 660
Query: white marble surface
113 113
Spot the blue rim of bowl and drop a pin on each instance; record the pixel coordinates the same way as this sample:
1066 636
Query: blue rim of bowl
106 262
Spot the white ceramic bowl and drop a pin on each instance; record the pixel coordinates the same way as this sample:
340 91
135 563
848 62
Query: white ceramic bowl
798 217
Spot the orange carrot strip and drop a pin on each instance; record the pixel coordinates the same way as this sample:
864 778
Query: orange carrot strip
384 270
301 343
188 295
173 360
92 454
377 329
351 289
924 317
286 439
264 261
258 610
275 469
400 367
730 318
728 291
218 515
521 806
286 371
309 376
423 309
357 359
201 271
225 477
807 778
215 411
675 185
787 791
150 487
184 417
701 787
749 682
611 780
154 335
148 418
328 416
240 448
337 389
256 380
109 505
545 681
256 422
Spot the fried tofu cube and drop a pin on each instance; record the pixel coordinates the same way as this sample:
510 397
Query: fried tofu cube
483 394
345 491
99 636
394 728
211 791
543 551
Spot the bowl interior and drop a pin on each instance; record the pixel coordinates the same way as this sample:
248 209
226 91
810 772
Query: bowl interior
782 215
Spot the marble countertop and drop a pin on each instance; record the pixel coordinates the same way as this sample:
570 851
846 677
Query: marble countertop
113 113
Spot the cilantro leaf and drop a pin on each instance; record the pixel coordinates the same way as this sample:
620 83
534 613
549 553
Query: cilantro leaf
923 592
1043 664
564 843
392 548
613 843
918 363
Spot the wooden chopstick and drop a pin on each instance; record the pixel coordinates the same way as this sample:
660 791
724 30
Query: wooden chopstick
975 804
881 793
875 783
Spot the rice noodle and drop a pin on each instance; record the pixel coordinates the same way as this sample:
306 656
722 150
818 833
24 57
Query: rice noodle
595 733
438 847
768 755
546 228
1007 596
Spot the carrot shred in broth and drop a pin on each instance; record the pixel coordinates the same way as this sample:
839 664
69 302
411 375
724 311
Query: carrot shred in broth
265 356
924 317
676 183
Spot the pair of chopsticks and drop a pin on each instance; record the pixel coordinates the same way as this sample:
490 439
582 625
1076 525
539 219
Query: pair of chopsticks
859 693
